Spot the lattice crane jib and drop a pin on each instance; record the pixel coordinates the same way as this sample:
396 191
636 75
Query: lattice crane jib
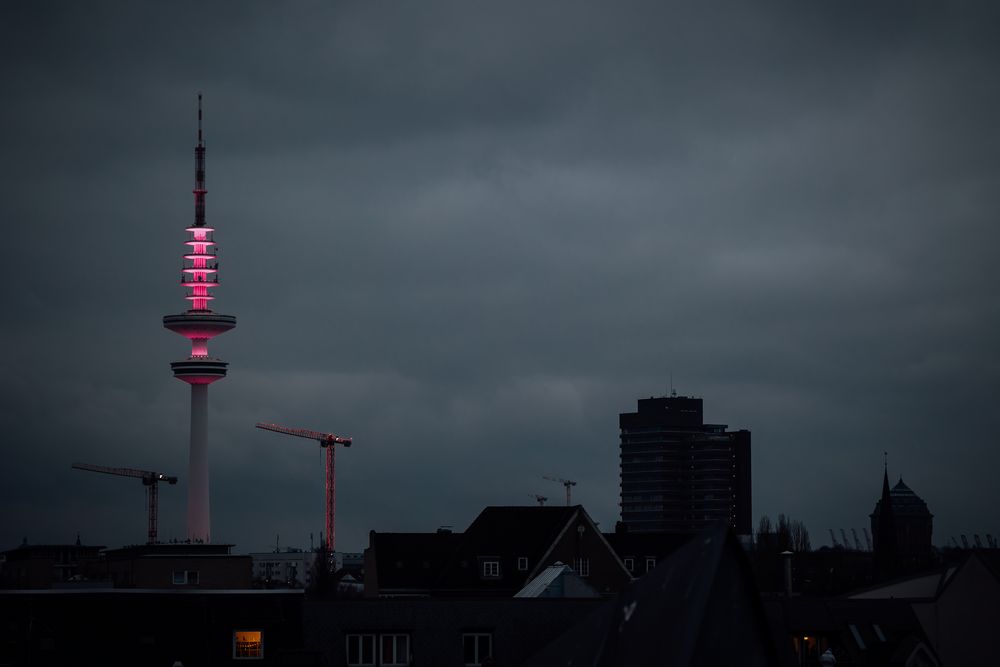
328 441
150 479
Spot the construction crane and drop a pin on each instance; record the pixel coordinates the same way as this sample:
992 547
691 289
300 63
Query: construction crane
868 538
832 538
539 499
565 482
857 542
328 442
149 479
843 535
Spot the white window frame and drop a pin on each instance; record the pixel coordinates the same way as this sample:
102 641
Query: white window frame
491 569
650 563
260 656
630 564
360 637
582 566
478 659
522 563
396 658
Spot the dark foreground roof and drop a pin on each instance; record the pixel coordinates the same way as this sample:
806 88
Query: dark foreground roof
698 607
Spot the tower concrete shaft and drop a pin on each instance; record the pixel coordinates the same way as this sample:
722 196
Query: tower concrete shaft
199 324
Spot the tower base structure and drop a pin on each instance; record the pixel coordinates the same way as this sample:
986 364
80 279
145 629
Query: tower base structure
199 371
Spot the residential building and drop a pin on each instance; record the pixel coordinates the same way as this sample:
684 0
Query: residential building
45 565
292 568
174 566
503 549
151 627
679 474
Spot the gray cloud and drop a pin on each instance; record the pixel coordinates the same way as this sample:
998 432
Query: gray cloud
470 234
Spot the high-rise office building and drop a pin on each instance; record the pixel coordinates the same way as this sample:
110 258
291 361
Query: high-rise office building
679 474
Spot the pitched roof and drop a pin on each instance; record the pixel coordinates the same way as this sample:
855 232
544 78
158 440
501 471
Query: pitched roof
453 563
699 606
557 580
905 503
505 534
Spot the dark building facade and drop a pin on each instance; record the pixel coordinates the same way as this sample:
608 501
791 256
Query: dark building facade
500 552
679 474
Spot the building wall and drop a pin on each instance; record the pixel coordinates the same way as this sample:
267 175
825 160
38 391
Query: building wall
129 627
214 572
605 572
518 627
961 623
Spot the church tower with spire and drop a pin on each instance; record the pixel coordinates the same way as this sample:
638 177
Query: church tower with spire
901 527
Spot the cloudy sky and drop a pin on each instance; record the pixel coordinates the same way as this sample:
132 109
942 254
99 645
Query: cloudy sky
469 234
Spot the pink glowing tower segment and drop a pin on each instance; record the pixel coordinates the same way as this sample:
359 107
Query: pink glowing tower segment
200 276
199 324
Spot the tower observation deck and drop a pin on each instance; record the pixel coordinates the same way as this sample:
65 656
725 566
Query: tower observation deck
199 324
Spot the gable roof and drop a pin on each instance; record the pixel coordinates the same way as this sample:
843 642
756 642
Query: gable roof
505 534
453 563
699 606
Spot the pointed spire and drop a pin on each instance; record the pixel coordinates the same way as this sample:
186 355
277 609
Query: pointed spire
884 528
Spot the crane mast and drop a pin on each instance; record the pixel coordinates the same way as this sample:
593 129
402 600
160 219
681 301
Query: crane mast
565 482
150 480
328 442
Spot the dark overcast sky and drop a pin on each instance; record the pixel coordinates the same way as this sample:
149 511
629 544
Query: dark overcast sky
469 234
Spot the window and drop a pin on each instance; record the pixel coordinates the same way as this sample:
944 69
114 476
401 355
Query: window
476 647
185 577
522 563
395 649
248 645
491 568
582 566
630 564
650 563
360 650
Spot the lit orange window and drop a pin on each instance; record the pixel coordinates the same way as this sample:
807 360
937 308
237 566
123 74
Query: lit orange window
248 645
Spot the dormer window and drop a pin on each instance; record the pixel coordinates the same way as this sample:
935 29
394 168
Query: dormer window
522 563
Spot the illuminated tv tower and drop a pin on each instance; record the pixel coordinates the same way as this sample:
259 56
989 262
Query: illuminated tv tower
199 324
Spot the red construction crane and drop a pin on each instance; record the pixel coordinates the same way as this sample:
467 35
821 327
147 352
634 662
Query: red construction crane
149 479
565 482
327 441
